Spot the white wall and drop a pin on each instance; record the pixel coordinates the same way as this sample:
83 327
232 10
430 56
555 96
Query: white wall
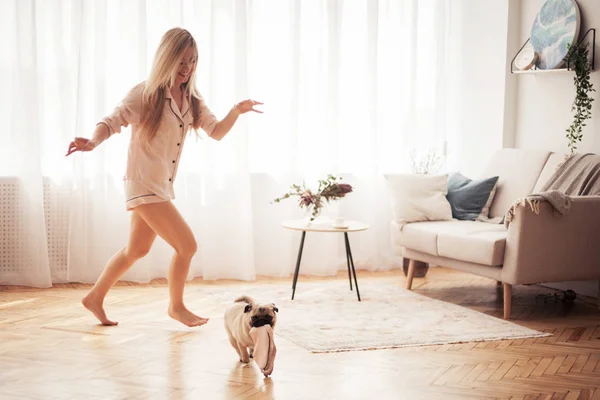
482 26
544 101
513 43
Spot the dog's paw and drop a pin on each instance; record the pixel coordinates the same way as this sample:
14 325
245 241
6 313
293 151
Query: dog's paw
245 359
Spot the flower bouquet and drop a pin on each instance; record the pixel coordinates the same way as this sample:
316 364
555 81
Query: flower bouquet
329 190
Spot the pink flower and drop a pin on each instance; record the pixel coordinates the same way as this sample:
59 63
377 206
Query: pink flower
306 199
345 188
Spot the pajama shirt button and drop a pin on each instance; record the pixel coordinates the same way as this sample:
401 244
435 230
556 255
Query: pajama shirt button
173 161
169 179
178 144
181 126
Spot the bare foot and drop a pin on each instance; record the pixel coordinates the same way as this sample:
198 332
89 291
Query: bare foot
186 317
95 306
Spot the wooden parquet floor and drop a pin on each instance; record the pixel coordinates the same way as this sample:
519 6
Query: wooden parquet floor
51 348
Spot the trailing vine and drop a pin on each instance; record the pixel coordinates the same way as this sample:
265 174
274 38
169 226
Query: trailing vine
577 59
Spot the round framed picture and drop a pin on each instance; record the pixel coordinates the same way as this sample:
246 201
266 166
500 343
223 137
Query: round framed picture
556 26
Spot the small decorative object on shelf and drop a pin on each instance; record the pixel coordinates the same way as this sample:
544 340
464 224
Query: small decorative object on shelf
329 190
577 59
526 59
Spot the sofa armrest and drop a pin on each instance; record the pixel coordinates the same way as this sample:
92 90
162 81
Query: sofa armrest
552 248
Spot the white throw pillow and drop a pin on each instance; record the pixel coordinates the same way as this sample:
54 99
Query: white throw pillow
415 198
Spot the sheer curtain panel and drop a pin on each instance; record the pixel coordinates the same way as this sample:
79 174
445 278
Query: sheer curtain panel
349 87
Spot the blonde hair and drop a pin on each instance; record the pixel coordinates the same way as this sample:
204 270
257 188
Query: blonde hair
164 71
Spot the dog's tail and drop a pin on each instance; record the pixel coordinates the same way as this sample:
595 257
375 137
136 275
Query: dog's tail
244 299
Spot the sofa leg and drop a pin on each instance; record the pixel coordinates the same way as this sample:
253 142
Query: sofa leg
507 300
598 294
498 283
411 274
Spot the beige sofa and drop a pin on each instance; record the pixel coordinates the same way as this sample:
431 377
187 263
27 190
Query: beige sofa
534 249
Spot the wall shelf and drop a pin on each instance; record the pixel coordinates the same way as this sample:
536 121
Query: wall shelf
535 70
543 71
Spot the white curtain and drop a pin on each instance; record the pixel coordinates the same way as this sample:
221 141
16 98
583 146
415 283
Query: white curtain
350 88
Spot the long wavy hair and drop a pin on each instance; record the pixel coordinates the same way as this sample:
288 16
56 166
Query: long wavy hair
164 71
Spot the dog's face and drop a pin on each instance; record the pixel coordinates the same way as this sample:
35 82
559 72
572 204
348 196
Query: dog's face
262 314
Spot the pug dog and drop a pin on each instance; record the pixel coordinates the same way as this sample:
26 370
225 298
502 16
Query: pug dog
244 314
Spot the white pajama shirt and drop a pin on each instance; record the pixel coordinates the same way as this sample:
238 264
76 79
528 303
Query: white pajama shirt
151 170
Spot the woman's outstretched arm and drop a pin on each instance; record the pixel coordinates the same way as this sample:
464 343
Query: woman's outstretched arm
223 127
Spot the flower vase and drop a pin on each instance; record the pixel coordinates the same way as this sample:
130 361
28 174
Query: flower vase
312 216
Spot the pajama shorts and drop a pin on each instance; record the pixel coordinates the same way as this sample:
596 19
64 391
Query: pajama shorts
137 194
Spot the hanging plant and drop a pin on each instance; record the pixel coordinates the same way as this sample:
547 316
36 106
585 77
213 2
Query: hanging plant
577 60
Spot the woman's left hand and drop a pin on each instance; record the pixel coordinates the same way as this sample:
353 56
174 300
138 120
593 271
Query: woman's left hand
247 105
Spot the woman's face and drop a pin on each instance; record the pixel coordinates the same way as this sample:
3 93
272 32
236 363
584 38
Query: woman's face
186 67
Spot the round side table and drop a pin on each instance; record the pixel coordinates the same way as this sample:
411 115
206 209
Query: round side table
303 226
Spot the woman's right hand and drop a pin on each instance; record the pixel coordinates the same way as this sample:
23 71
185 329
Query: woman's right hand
80 144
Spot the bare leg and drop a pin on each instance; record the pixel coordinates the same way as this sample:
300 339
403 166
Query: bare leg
141 238
165 220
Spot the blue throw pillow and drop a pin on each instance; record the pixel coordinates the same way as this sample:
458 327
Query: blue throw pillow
469 199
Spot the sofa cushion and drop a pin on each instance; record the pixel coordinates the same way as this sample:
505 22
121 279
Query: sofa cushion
475 242
421 236
470 199
471 241
518 170
415 198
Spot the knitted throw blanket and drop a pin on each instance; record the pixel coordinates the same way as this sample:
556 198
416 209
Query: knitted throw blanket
578 175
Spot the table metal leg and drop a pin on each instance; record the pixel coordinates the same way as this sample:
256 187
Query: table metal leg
348 264
349 252
298 264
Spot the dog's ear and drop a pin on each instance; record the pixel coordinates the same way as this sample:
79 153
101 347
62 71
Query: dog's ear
248 308
275 308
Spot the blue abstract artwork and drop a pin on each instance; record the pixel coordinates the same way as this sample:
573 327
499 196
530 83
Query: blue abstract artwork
556 26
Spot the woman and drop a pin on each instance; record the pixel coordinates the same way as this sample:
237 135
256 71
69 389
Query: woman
161 111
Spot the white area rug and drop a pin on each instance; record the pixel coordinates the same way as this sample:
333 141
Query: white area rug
329 318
